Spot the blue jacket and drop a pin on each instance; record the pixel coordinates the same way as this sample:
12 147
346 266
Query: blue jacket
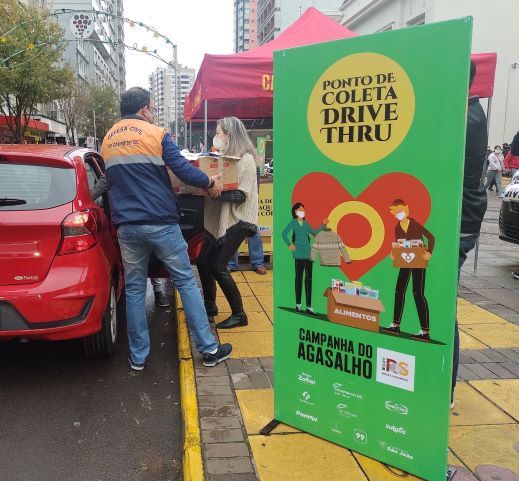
137 155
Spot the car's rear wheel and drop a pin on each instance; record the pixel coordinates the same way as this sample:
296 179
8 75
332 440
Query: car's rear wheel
103 343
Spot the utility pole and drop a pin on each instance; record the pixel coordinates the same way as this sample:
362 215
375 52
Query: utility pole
175 66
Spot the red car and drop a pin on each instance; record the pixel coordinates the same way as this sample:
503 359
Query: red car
60 271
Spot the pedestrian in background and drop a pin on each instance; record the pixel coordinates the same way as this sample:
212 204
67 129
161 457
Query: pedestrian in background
256 256
144 210
474 201
228 220
495 170
512 157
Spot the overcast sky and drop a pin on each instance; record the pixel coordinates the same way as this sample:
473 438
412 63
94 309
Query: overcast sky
196 26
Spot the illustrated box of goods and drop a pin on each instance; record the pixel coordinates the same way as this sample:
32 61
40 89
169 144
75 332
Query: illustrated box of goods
227 166
354 310
409 254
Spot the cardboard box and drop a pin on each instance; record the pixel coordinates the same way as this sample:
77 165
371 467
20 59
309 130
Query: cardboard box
409 257
227 166
354 311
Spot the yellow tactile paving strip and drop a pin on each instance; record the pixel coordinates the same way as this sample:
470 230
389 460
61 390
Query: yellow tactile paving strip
376 471
502 392
297 457
257 410
484 420
472 408
480 445
480 329
257 300
494 335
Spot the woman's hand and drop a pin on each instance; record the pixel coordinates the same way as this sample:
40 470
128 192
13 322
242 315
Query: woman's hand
292 247
326 220
426 256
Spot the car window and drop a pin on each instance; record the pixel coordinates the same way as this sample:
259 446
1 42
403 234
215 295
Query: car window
34 187
91 174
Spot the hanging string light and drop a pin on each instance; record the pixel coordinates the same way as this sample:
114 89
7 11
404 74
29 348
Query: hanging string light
30 46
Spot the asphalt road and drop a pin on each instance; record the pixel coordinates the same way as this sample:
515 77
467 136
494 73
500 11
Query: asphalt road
65 417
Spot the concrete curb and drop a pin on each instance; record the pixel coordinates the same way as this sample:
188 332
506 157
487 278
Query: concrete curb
192 464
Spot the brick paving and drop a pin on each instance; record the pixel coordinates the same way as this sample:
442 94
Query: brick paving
225 449
488 364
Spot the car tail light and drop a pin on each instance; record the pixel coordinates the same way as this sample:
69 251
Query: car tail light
80 231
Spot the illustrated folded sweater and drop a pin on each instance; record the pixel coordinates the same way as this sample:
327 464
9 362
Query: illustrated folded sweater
328 247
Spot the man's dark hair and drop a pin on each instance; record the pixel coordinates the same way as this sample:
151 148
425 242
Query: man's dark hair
472 73
134 100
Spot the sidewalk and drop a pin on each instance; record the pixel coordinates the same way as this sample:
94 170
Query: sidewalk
235 399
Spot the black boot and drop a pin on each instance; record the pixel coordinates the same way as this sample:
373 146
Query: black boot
233 296
235 320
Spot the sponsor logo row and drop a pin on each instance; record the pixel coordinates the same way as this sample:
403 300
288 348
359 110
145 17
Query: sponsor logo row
393 368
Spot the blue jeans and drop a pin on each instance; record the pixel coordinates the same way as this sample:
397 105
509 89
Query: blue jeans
255 253
467 243
137 243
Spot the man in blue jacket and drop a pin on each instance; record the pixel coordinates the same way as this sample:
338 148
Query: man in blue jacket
144 208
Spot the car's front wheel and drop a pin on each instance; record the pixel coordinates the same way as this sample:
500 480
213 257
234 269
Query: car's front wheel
103 343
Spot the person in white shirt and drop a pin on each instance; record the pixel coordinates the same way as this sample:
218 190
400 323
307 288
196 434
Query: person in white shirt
495 170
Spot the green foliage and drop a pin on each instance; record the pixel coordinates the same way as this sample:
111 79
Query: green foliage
31 45
73 104
105 101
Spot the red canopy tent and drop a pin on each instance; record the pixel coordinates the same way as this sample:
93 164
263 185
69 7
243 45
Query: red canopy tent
483 85
241 84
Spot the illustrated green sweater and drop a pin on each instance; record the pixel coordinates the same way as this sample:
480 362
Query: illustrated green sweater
301 241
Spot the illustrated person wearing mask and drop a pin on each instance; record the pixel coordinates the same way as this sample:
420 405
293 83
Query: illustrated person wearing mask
495 170
144 209
409 229
299 244
228 220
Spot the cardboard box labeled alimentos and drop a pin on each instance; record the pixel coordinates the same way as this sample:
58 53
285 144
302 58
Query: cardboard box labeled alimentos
409 257
354 311
226 166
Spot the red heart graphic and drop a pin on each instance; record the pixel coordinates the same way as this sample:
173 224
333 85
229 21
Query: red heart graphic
320 193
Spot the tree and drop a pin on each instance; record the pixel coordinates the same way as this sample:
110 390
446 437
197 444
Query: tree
31 45
103 102
73 105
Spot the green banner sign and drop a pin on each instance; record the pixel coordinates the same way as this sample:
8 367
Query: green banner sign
369 147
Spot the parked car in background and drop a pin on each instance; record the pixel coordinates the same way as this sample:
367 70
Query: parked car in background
509 214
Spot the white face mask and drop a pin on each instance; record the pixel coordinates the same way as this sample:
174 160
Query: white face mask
400 215
497 151
300 214
219 143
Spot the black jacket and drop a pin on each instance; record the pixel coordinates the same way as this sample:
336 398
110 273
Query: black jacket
474 203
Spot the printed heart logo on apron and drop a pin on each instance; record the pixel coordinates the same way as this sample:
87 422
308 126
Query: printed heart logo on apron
408 256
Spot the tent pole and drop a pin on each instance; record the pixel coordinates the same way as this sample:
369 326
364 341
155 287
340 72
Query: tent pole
190 137
489 112
205 125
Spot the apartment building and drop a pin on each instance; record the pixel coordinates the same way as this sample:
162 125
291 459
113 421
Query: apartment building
494 31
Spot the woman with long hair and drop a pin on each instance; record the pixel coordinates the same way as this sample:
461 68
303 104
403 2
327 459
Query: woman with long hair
228 221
